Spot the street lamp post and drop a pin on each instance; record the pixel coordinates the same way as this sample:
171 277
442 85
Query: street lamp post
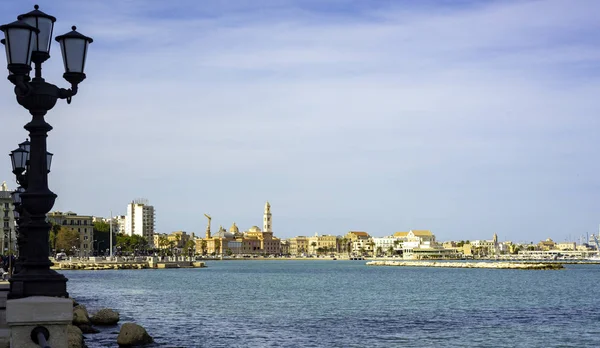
27 41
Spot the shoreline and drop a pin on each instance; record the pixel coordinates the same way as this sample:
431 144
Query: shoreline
486 265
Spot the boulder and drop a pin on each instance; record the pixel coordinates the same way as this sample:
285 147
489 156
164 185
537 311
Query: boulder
132 334
80 315
88 329
105 316
75 337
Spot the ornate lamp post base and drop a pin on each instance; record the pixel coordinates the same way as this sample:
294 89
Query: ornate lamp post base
38 283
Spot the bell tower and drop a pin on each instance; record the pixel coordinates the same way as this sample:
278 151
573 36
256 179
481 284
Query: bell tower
267 222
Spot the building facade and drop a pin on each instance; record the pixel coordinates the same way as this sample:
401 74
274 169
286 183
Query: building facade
8 237
83 224
254 241
298 245
140 220
325 243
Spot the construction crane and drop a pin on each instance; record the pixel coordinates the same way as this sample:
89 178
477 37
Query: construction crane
209 218
597 244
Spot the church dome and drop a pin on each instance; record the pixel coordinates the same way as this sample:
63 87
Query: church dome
254 229
234 228
224 234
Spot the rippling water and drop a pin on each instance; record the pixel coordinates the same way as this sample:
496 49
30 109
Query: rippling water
347 304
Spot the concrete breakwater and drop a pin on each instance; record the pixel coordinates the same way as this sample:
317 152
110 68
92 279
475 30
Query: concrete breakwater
93 266
492 265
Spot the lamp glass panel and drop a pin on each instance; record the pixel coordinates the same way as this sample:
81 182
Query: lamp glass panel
19 158
42 40
48 160
74 54
19 40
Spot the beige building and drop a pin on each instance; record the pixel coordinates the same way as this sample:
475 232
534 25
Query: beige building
546 245
80 223
326 243
566 246
299 245
8 237
360 241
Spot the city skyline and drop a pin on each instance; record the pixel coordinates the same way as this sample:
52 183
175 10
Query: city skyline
465 119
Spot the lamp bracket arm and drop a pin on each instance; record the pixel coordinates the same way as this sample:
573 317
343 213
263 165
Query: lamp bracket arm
67 93
22 87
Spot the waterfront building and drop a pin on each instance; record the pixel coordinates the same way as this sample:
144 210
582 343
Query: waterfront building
421 244
179 238
285 247
160 241
486 247
83 224
140 219
566 246
546 245
383 245
299 245
325 243
8 237
360 241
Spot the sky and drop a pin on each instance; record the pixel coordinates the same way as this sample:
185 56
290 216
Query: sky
466 118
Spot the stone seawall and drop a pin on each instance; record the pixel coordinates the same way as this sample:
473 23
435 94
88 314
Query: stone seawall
96 266
491 265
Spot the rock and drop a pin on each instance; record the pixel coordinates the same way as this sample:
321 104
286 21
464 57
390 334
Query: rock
105 316
132 334
88 329
80 315
75 337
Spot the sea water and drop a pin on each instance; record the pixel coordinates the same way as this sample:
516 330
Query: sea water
329 303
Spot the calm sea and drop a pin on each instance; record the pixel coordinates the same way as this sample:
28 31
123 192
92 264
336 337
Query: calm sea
347 304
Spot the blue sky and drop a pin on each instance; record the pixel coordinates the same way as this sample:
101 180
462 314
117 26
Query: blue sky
462 117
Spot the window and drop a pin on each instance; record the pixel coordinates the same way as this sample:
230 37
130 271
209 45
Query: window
6 205
85 238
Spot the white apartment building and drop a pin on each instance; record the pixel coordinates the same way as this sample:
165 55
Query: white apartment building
140 220
386 242
8 237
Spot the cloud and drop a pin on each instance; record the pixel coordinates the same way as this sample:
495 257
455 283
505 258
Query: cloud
466 119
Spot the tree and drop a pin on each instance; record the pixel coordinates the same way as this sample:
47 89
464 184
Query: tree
344 244
391 250
102 236
67 239
54 229
171 246
101 226
371 244
203 246
313 244
189 247
379 250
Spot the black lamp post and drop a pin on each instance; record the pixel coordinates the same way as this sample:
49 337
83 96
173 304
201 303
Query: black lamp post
27 41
